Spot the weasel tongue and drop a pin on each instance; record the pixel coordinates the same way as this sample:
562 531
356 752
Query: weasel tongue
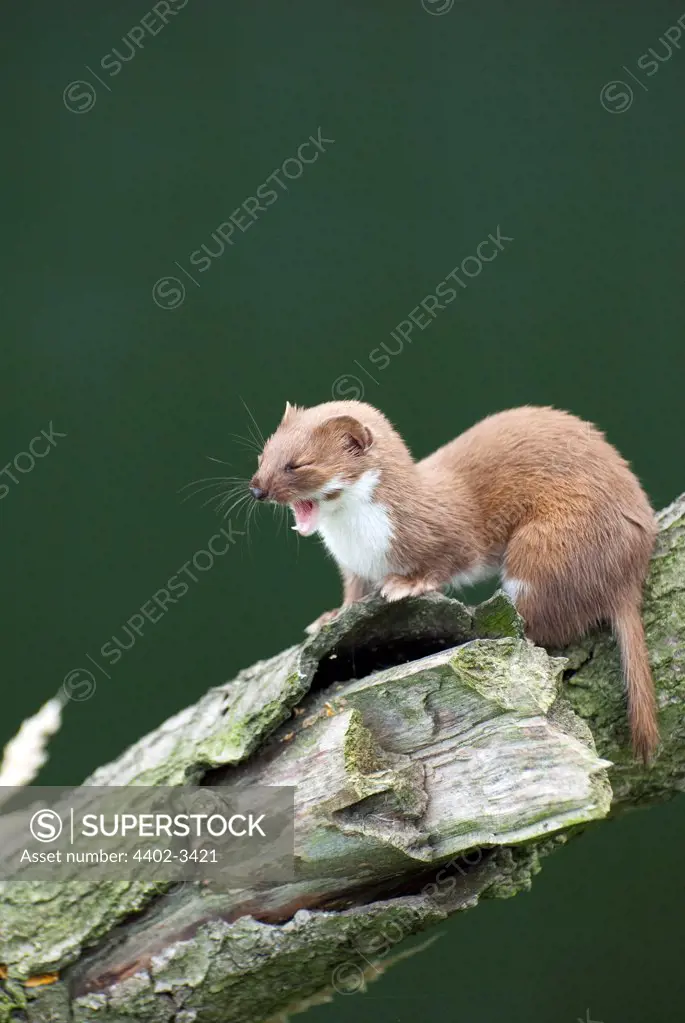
306 516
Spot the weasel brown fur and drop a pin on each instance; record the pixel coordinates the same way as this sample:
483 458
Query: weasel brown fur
534 494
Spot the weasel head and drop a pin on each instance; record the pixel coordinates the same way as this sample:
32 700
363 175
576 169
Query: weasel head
314 457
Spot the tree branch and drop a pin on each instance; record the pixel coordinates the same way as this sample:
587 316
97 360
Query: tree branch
437 756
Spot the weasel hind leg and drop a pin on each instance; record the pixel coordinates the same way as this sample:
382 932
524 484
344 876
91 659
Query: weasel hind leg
563 580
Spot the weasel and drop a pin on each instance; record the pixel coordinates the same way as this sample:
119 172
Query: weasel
535 495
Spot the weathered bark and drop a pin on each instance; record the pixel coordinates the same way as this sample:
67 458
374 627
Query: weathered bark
425 734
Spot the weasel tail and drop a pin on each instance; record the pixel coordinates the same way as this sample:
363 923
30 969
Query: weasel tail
641 701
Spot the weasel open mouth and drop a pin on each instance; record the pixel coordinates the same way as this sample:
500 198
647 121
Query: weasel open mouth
306 516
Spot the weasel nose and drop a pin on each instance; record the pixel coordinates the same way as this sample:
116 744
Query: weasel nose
258 493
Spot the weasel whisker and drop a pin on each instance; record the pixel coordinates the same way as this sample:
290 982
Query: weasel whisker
221 461
236 504
222 496
249 412
207 479
250 442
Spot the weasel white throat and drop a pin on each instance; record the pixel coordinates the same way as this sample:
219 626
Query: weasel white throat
357 530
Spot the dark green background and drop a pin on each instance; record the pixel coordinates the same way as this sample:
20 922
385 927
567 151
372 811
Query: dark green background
444 127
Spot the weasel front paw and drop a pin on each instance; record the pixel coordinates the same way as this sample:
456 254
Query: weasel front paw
323 619
396 587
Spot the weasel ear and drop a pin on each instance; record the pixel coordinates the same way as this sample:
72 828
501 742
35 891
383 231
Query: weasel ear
289 410
354 435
